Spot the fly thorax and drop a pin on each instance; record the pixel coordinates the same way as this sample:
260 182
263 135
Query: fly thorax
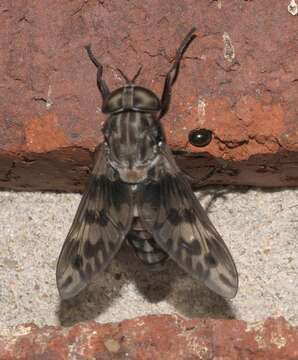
133 142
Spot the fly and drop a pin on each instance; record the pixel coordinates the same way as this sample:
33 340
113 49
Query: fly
137 192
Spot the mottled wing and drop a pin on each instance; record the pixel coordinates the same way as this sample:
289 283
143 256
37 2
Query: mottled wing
181 227
101 223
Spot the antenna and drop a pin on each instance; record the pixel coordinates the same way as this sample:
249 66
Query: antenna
134 78
137 74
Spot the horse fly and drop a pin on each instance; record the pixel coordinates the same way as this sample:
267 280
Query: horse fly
136 191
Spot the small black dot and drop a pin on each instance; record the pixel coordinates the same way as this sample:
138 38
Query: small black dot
215 246
192 246
77 262
88 249
196 247
103 218
90 216
210 260
174 216
200 137
189 216
117 276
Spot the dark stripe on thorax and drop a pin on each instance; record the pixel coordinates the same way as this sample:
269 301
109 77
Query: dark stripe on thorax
133 127
123 127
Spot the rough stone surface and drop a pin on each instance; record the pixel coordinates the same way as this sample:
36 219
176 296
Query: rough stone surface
239 79
260 228
154 337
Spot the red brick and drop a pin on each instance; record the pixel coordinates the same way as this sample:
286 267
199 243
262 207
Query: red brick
160 337
49 118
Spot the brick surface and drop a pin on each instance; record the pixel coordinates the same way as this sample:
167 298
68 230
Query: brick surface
154 337
238 78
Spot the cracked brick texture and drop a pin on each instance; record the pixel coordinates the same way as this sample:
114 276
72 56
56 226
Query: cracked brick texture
238 78
154 337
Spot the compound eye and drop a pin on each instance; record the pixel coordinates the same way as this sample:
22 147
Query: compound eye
145 99
200 137
114 102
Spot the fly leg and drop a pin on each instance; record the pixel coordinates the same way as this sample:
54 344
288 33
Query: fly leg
173 72
102 86
208 175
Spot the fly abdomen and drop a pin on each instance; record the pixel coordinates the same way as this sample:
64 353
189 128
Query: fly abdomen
145 246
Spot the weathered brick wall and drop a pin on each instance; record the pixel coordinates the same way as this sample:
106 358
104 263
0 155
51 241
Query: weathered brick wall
239 79
155 337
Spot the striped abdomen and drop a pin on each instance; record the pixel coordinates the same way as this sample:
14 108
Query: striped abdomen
145 246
